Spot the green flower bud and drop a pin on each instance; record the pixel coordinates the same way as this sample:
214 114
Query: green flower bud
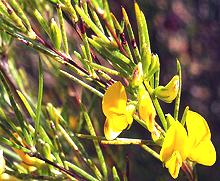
151 65
169 92
56 36
155 64
146 59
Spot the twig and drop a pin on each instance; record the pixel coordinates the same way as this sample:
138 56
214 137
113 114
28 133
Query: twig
37 155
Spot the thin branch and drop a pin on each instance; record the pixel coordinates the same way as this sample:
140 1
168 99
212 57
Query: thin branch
117 141
68 172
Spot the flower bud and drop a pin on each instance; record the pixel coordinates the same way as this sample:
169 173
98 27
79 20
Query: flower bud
146 59
137 77
154 66
169 92
56 36
156 136
146 108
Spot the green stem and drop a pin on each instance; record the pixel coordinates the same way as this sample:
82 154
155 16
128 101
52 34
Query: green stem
62 27
39 101
115 174
157 78
10 153
97 146
92 25
149 150
160 113
90 88
78 152
81 172
157 106
104 69
142 123
96 20
87 50
131 36
177 102
117 141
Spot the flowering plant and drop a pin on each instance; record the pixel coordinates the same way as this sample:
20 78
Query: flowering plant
125 76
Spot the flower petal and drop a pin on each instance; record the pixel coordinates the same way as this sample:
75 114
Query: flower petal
175 140
197 127
147 111
130 110
202 149
118 122
204 153
110 133
114 100
169 92
174 164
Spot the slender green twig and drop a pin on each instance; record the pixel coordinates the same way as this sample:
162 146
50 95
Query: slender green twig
157 106
157 78
131 36
115 174
110 28
10 153
97 146
90 23
117 141
78 152
177 102
40 96
81 172
68 172
62 27
24 176
12 87
82 83
152 152
142 123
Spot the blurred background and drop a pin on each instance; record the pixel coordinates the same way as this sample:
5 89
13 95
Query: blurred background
179 29
189 31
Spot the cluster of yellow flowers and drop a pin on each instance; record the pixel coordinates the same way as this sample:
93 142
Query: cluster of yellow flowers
196 146
179 144
119 114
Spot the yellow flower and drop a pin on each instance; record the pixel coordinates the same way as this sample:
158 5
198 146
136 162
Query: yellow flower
118 114
174 150
201 148
146 108
2 162
169 92
196 146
